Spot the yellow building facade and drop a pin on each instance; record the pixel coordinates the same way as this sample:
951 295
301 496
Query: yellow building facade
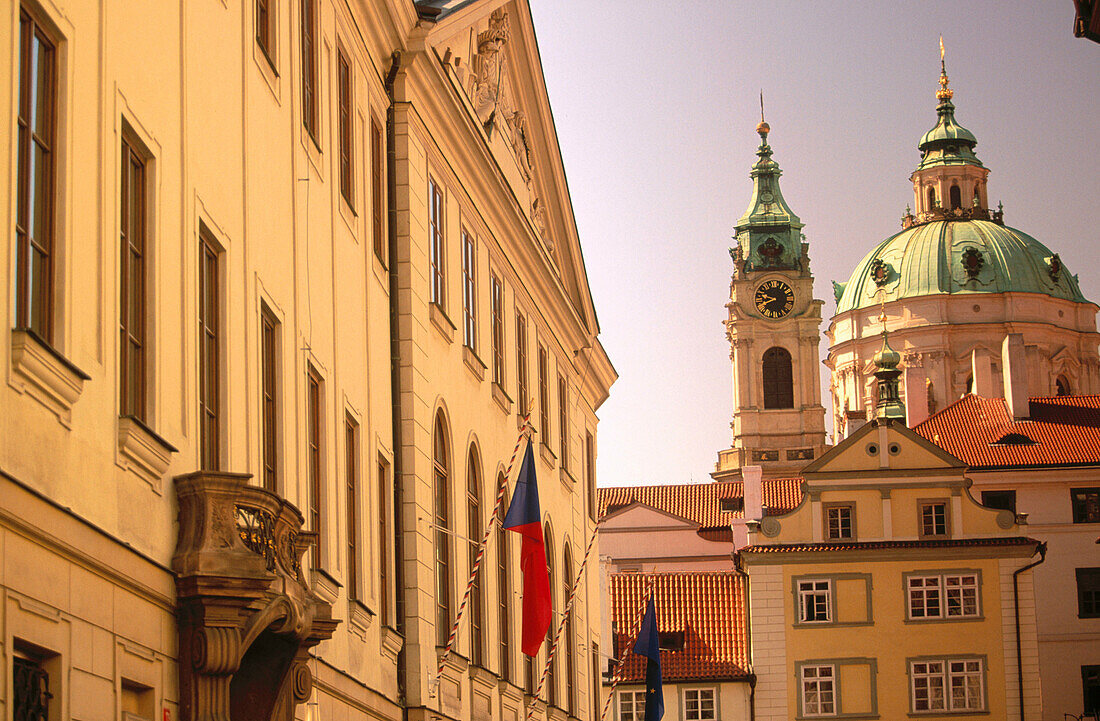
283 279
889 592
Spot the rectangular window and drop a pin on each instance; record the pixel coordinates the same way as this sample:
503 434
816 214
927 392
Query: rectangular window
839 522
933 519
496 310
544 397
309 67
1090 686
1086 505
699 704
1088 592
521 363
269 379
314 404
590 473
435 241
351 472
1004 500
265 28
209 349
563 423
34 217
504 589
632 706
818 691
950 595
31 689
815 601
131 282
345 130
947 685
473 533
595 699
383 546
378 154
469 291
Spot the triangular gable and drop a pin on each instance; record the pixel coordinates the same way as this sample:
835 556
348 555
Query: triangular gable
640 515
864 451
489 51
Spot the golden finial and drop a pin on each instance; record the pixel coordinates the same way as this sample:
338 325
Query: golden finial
944 93
763 128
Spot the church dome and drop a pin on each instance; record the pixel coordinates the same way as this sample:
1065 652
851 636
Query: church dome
956 257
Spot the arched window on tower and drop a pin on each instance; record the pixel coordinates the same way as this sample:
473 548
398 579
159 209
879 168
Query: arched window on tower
931 198
778 380
956 197
1061 387
977 196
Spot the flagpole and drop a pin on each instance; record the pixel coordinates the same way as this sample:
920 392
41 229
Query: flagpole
620 662
525 430
564 617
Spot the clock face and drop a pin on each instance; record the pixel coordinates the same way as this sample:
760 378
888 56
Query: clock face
774 299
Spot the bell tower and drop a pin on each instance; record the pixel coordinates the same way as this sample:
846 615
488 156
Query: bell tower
773 328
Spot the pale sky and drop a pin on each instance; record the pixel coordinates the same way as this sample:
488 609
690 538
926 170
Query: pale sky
656 105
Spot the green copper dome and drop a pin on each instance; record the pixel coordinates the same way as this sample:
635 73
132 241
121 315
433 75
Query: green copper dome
956 257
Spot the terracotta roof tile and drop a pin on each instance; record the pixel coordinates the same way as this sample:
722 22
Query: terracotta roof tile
1062 430
708 608
878 545
701 502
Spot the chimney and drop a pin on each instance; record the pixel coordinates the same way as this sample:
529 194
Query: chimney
916 395
853 421
754 492
1014 370
981 368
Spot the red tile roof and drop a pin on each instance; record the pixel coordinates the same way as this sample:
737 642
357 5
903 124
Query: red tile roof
879 545
708 608
1065 431
701 502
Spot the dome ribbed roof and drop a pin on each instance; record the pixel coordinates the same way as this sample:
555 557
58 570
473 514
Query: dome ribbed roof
949 257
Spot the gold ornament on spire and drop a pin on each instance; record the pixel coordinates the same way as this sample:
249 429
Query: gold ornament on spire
944 93
762 128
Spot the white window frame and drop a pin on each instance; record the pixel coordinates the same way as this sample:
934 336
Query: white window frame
839 510
821 591
820 684
957 595
947 675
635 700
700 695
469 290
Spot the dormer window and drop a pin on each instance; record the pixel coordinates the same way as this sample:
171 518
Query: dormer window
731 505
671 640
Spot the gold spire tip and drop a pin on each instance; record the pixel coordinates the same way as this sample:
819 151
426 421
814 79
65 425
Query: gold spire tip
944 93
762 128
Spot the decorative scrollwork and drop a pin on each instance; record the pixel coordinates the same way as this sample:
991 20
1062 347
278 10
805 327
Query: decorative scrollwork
1054 267
257 529
770 253
940 213
880 271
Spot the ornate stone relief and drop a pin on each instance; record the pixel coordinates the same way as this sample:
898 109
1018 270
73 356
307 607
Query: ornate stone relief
487 65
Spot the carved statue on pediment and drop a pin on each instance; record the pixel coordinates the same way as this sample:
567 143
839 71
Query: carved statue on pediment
486 64
521 144
538 217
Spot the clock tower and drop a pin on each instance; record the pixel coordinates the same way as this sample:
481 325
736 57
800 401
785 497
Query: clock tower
773 328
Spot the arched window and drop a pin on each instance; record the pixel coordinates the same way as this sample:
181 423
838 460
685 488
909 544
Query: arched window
931 198
473 535
552 675
778 382
442 535
569 646
977 195
504 589
1061 387
956 197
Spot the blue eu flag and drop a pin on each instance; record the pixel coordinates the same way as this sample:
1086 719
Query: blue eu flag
649 645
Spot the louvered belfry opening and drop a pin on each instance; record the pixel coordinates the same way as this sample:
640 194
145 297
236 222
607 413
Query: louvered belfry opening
778 379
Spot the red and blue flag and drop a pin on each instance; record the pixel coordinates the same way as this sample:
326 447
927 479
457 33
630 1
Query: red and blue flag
525 518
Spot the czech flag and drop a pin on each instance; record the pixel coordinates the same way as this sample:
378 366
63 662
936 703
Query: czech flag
525 518
649 645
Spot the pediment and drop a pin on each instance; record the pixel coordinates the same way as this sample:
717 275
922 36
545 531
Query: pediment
639 515
883 447
488 50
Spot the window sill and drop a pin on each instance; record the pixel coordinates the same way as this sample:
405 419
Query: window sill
502 399
325 586
567 479
359 615
453 661
547 454
441 322
557 713
509 690
142 451
45 374
392 643
955 619
473 363
482 676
